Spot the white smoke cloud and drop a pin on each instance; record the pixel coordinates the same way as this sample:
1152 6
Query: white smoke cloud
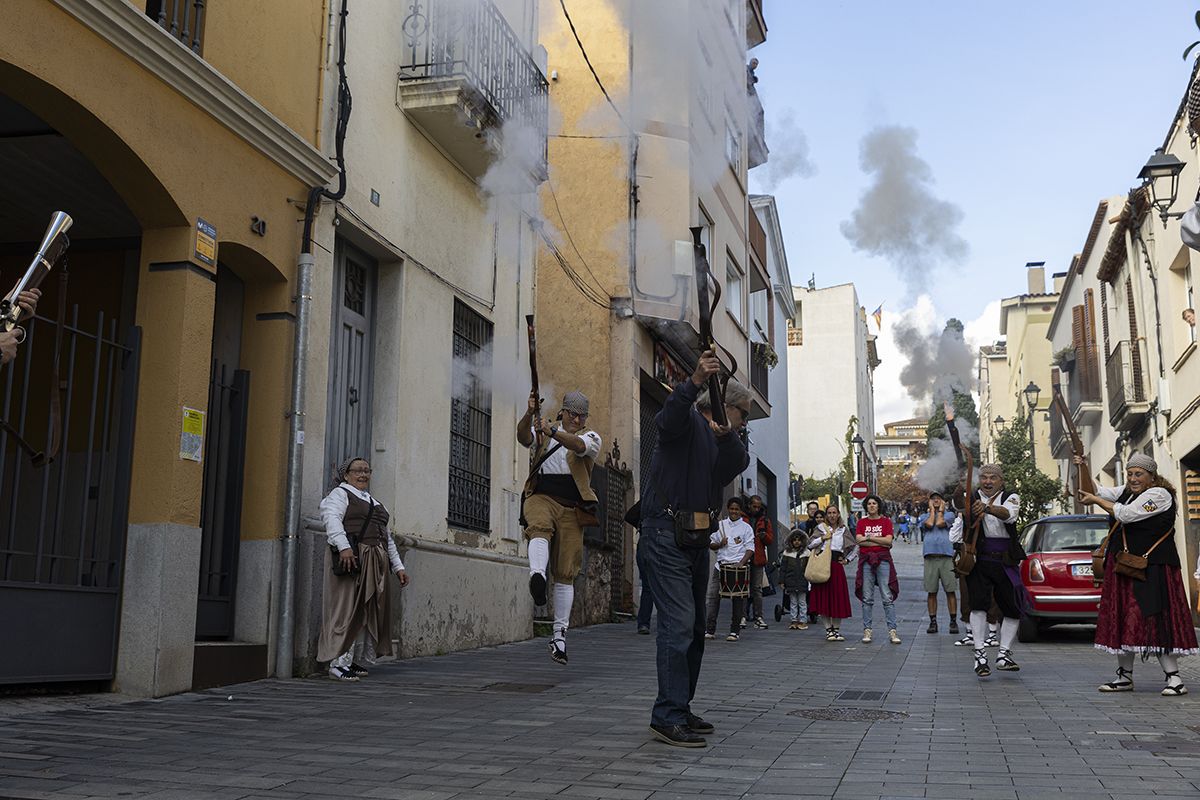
899 217
790 157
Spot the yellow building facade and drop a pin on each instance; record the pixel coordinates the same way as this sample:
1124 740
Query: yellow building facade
628 180
181 141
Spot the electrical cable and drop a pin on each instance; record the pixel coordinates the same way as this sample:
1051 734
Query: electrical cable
588 61
344 103
571 239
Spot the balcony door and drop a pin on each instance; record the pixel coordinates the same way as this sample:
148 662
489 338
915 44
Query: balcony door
350 355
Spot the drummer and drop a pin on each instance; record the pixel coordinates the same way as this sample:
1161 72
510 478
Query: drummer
733 540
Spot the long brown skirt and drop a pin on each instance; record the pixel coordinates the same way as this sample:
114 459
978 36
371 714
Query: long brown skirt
356 602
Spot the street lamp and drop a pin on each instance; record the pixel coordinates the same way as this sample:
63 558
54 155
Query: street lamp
858 443
999 420
1162 194
1031 399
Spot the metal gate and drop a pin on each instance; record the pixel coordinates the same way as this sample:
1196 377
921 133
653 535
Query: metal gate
221 511
63 527
350 355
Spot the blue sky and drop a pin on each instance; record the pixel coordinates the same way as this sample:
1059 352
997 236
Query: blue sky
1028 113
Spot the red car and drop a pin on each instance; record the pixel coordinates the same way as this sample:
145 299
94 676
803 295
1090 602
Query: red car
1058 571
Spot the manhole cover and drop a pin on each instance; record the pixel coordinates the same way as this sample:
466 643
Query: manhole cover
863 697
848 714
518 688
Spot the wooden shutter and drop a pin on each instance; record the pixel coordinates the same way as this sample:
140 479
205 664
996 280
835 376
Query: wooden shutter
1089 344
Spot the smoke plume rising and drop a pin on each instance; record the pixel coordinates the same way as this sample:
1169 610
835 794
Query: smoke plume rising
790 156
899 217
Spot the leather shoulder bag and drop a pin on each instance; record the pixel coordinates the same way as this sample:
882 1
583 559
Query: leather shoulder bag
1132 565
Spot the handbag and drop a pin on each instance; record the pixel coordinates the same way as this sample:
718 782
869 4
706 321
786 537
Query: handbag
964 560
1134 566
819 564
336 566
1098 557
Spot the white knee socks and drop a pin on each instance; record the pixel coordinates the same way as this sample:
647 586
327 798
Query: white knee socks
1008 632
539 556
564 596
1125 661
979 627
1170 663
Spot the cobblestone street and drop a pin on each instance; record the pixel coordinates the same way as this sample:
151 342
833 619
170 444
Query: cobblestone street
507 722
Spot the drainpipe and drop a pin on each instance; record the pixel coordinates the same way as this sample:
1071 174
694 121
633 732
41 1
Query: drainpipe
286 627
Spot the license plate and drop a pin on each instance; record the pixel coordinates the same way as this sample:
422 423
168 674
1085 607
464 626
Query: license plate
1081 570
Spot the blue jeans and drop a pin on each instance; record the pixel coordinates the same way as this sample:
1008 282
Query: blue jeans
678 581
871 579
799 606
646 604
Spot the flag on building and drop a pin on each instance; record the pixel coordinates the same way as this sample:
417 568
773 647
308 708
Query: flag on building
878 315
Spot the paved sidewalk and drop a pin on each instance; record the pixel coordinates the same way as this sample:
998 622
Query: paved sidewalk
507 722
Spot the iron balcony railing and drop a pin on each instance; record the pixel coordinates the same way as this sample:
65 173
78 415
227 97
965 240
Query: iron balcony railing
470 39
1124 378
183 19
759 372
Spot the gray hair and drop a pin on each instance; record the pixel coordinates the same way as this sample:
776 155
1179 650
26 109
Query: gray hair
736 395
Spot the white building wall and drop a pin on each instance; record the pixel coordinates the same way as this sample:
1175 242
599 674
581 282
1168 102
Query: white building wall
829 379
769 437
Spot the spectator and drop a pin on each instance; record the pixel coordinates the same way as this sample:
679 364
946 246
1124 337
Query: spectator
764 537
792 562
356 623
875 568
831 599
902 526
733 542
939 559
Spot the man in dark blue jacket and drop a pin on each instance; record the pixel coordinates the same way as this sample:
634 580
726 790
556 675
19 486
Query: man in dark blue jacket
694 459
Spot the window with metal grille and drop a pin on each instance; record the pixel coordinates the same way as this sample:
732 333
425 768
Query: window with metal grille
471 422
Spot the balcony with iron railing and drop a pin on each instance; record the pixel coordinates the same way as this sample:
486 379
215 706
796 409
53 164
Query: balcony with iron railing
1060 442
182 19
1083 392
1127 398
760 372
465 76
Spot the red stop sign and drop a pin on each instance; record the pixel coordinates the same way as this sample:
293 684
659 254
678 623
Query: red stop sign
859 490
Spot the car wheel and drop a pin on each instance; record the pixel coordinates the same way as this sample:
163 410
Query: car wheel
1028 629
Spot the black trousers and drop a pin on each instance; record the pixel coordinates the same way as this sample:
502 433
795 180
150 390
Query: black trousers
989 581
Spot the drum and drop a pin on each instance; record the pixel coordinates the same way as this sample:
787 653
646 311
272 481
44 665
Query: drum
735 580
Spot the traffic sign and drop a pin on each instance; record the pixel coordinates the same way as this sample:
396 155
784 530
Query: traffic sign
856 506
859 490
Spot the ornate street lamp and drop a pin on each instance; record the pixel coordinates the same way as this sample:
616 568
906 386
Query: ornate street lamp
1161 177
1031 399
858 443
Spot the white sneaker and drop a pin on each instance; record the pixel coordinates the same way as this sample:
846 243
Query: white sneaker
893 637
866 636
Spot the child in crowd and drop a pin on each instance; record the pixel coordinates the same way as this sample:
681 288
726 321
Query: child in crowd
792 562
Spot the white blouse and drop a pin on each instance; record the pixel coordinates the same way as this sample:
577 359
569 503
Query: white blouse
333 513
1153 501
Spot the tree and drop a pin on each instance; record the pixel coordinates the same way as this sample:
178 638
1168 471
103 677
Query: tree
965 415
1021 475
896 485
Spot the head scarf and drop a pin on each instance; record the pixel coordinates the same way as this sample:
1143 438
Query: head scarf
339 472
575 402
1142 461
996 468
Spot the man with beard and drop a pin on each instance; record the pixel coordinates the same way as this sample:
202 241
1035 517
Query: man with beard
995 576
694 459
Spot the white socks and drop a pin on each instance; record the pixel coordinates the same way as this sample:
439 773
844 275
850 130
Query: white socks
539 556
1008 632
564 596
1125 660
979 627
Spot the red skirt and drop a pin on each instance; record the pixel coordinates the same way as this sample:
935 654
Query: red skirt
1122 628
831 598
